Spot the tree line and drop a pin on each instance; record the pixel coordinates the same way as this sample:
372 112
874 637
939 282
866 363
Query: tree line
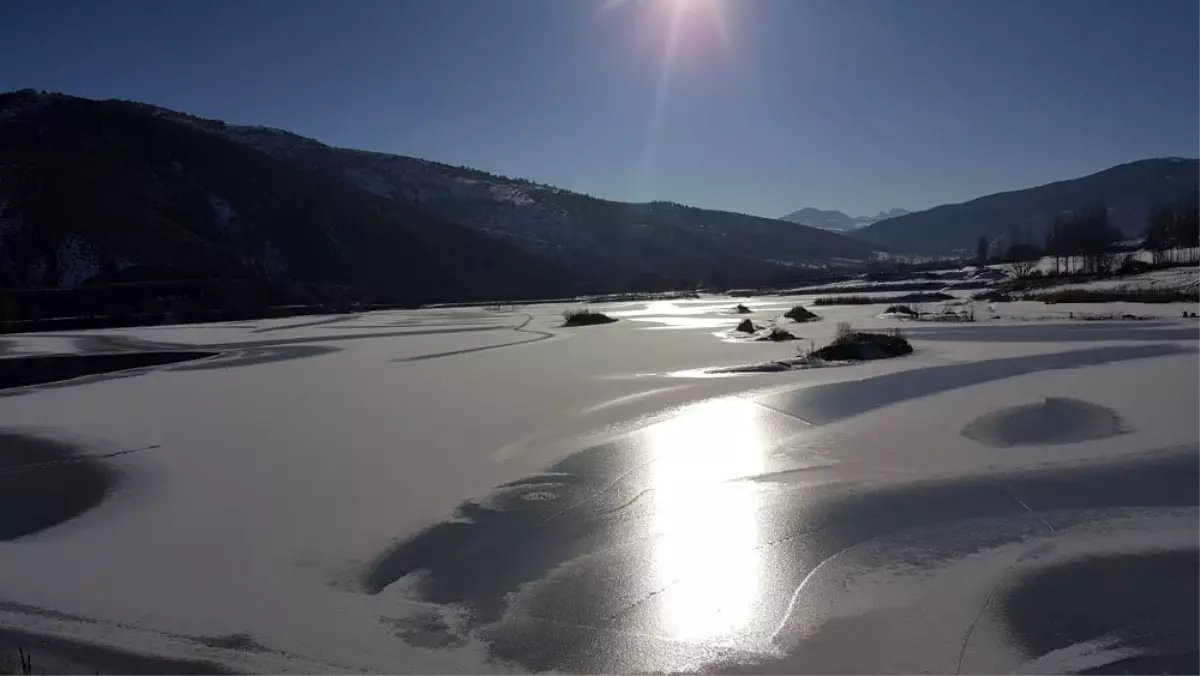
1084 241
1173 231
1084 235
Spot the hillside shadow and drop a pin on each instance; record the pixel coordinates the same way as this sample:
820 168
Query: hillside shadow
39 369
1039 333
823 404
44 482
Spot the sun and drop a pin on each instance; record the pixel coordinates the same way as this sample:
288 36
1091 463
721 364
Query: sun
684 37
682 21
671 7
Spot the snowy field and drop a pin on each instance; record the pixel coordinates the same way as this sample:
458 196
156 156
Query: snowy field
472 490
1181 278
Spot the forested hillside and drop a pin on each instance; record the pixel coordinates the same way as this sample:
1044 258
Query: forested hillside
103 191
1128 192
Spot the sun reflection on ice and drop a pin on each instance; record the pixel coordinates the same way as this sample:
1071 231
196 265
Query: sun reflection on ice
706 530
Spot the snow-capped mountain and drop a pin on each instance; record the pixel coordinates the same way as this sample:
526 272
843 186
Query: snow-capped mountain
838 221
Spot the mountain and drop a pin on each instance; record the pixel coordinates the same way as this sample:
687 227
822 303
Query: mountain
101 190
109 190
608 244
890 213
1129 190
838 221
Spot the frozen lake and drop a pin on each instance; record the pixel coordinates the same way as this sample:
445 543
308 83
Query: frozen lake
475 490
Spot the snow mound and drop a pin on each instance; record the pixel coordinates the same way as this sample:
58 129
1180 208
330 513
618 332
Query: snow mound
585 317
801 314
860 346
898 312
748 332
774 334
1053 421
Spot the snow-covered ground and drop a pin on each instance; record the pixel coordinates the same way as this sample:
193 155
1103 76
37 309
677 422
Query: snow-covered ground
1166 279
465 489
1181 277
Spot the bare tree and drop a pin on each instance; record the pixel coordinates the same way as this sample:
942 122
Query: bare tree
1022 268
981 251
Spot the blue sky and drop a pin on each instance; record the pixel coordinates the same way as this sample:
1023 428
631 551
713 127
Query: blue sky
777 104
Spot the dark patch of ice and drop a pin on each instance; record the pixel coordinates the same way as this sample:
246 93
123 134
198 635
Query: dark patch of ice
1144 603
267 354
426 629
1056 420
40 369
766 367
823 404
44 482
57 655
240 641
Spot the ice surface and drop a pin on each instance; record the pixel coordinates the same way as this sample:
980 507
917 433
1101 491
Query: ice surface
255 491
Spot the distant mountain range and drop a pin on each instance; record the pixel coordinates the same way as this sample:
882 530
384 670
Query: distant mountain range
838 221
111 190
1128 190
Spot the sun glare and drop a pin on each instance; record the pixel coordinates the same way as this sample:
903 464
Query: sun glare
681 35
709 12
697 28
